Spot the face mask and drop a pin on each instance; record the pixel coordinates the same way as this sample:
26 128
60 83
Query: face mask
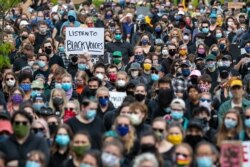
61 49
157 29
121 83
164 52
172 52
74 59
154 77
194 80
140 97
135 119
57 101
185 37
10 83
48 51
213 21
3 138
85 165
32 164
247 123
147 66
109 160
118 37
90 114
68 114
139 58
82 67
108 16
144 41
205 104
17 99
200 66
58 85
175 139
222 46
43 30
185 72
52 129
62 140
247 48
122 130
226 63
100 76
103 101
116 61
71 18
230 124
30 63
25 87
34 93
66 86
176 115
112 77
211 65
159 136
148 148
92 92
41 64
214 53
183 52
20 131
204 161
192 140
201 51
218 35
80 150
134 74
37 106
205 30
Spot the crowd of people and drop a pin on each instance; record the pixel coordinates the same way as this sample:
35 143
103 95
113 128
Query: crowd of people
185 69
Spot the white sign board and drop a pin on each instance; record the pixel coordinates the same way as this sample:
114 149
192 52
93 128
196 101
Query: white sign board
246 153
81 40
117 98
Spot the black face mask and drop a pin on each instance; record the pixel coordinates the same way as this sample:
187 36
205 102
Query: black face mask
193 140
172 52
165 96
74 59
57 101
148 148
194 81
24 37
130 93
48 51
52 129
91 92
139 97
200 66
71 18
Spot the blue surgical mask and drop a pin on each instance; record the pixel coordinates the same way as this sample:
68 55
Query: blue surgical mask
157 29
247 48
118 37
90 114
176 115
38 106
211 65
155 77
82 66
205 30
34 93
85 165
25 87
247 123
61 49
58 85
222 46
32 164
66 86
62 140
218 35
41 64
122 130
230 124
204 161
144 41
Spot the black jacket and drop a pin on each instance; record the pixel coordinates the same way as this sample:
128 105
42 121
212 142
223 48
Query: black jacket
15 151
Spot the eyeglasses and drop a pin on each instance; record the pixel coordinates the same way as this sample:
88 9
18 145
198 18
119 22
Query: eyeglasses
103 97
68 108
184 155
158 130
52 123
204 27
7 79
154 72
247 117
203 100
35 130
37 89
118 33
21 122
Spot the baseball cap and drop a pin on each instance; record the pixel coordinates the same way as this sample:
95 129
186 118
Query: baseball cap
186 63
195 73
236 82
157 68
179 103
37 84
117 54
135 66
210 57
5 125
227 57
196 123
23 23
4 115
186 31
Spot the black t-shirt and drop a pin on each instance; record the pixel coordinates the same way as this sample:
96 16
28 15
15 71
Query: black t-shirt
57 159
44 73
244 68
210 40
94 128
55 59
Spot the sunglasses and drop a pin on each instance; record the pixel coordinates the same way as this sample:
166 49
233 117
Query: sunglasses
118 33
47 47
103 97
247 117
204 27
68 108
203 100
35 130
21 122
154 72
184 155
52 123
37 89
126 125
7 79
158 130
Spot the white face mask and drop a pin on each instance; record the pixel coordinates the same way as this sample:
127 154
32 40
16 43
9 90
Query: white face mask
100 76
219 64
135 119
134 74
164 52
109 159
185 37
227 63
10 83
121 83
30 63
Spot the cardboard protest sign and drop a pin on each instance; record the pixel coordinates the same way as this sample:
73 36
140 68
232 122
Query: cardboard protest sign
246 154
117 98
235 5
231 154
84 40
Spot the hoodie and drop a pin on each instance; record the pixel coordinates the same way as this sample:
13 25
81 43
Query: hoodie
67 23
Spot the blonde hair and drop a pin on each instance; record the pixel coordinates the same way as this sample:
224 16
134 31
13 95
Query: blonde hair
61 91
44 124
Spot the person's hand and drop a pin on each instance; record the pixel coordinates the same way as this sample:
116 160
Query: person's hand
245 60
13 163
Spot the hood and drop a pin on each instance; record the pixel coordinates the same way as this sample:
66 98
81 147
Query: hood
72 13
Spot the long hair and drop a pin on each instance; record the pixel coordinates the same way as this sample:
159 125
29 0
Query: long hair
224 133
6 89
51 105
